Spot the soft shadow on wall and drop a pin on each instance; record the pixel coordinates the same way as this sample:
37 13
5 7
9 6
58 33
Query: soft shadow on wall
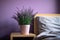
58 6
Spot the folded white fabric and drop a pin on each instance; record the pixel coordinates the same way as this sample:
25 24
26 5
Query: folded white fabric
48 26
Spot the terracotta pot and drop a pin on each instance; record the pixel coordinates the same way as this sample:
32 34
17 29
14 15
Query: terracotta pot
25 29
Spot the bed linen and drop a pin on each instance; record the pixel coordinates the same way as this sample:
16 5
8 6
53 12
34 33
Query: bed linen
49 28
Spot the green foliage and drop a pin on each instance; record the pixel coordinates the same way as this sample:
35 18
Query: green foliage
24 16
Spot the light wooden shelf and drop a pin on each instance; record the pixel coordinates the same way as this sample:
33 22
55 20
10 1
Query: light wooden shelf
21 35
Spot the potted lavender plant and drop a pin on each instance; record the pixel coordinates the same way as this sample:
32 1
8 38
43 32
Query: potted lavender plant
24 17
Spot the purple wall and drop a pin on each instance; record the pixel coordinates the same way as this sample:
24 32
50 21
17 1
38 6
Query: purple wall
40 6
8 8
